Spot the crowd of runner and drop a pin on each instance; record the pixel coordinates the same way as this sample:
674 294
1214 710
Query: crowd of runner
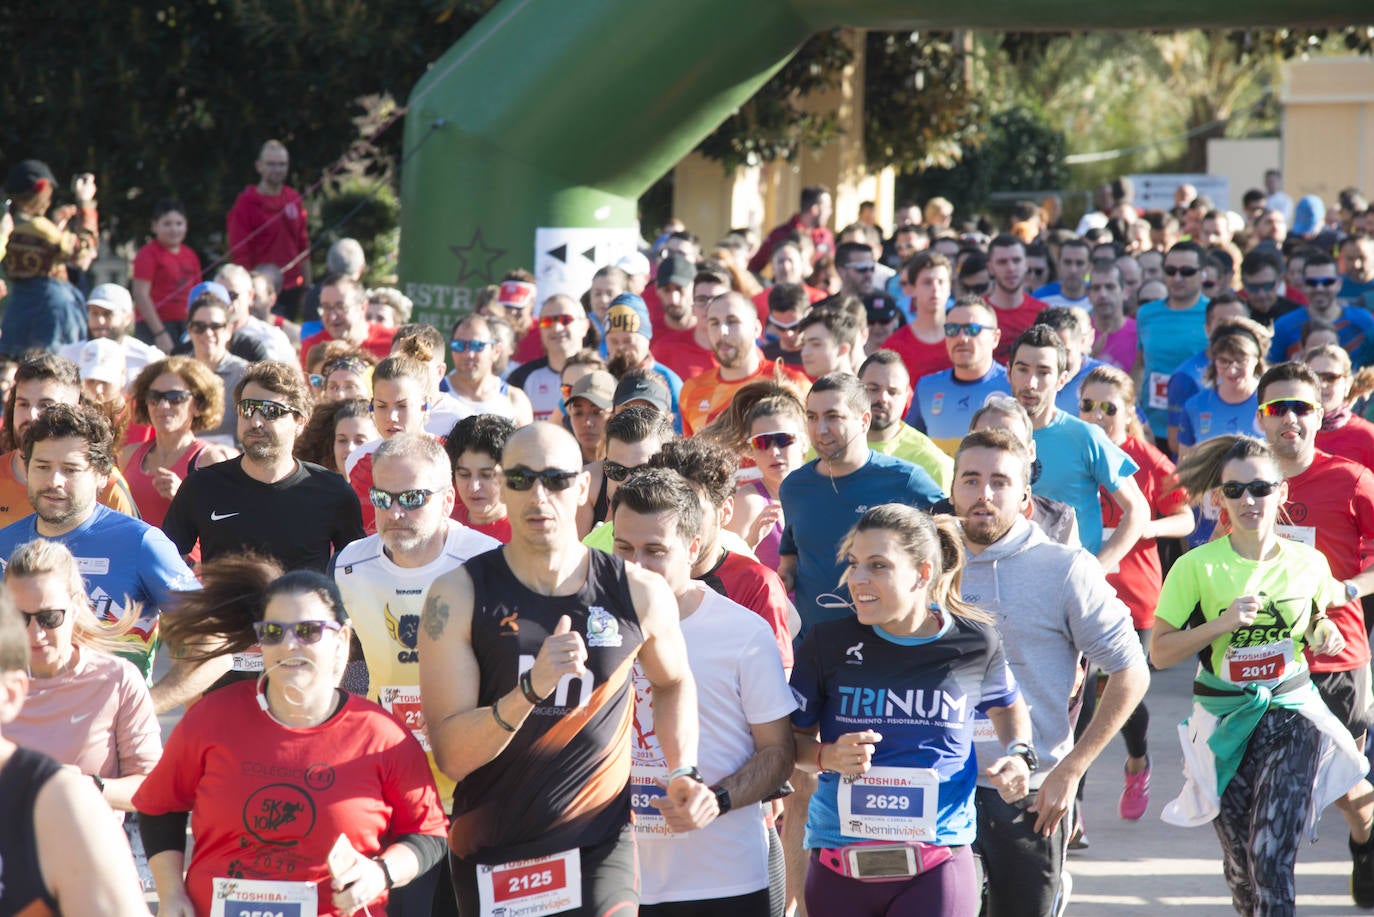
803 573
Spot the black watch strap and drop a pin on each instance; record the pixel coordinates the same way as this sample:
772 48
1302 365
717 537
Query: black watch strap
722 798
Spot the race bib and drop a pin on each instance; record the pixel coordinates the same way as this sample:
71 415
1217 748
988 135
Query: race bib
1246 664
644 787
262 898
1304 534
403 702
983 730
1159 391
249 661
531 888
890 804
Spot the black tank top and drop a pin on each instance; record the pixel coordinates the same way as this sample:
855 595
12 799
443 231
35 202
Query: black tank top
601 506
563 781
21 880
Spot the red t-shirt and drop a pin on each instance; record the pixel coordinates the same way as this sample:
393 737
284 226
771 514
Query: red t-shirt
920 358
500 529
1013 322
172 275
269 230
530 347
267 802
1354 441
756 587
1335 497
679 351
378 342
1139 577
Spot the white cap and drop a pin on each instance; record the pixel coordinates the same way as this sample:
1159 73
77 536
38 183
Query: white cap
634 263
102 360
111 296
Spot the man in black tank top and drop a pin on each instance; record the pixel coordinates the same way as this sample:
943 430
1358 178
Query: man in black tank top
526 655
49 813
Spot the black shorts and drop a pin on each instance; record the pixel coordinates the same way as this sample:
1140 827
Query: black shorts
1348 696
610 879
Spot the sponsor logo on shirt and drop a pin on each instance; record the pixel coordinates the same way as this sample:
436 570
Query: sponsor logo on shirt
405 630
602 628
508 626
933 706
857 652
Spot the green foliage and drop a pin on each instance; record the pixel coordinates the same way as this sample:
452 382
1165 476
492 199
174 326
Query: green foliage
1018 153
921 111
368 211
162 98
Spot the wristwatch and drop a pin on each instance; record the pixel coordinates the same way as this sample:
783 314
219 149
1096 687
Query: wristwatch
689 771
722 798
1025 752
1352 592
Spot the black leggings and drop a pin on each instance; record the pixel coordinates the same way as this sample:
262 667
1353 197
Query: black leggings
610 879
1137 726
1262 813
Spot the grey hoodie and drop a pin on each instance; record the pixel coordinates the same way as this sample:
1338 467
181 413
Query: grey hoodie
1052 605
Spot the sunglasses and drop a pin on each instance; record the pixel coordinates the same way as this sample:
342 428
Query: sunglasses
617 472
777 439
173 396
316 380
560 321
202 327
267 410
409 499
1036 271
347 364
1209 284
566 390
861 268
785 326
1087 406
1320 282
972 329
464 346
1257 489
1171 270
47 618
978 289
553 479
271 633
1261 287
1280 406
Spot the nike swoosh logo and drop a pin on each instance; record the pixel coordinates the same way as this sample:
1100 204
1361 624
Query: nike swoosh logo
216 517
77 719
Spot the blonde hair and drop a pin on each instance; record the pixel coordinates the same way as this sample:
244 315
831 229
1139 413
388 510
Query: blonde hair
41 556
1106 374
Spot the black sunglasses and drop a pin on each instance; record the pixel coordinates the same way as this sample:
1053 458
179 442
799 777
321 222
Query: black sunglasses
47 618
1258 489
173 396
553 479
1171 269
977 289
972 329
271 633
409 499
617 472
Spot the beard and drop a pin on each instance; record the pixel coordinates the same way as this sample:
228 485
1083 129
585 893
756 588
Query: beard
621 363
986 531
265 449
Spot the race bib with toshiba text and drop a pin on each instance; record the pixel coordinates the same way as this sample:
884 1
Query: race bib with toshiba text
531 888
645 786
890 804
263 898
1304 534
1247 664
403 702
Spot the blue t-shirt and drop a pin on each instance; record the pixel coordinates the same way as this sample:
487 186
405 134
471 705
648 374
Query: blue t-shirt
1166 338
944 405
1206 415
1352 291
1067 399
1073 459
820 511
120 558
920 693
1184 384
1355 327
674 389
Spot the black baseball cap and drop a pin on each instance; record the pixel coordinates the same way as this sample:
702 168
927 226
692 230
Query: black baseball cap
640 389
26 175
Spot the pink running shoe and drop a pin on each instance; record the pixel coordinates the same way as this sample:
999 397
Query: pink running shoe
1135 798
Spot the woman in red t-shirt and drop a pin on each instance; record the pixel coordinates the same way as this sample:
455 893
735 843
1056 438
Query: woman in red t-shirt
165 270
301 793
1343 432
1107 398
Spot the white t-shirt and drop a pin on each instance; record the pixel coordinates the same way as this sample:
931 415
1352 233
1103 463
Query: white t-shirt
444 412
740 682
384 602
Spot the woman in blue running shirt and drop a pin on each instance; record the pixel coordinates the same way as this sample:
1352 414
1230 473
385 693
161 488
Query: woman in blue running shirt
887 700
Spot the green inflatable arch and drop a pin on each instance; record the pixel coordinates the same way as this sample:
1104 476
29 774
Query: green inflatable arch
531 139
